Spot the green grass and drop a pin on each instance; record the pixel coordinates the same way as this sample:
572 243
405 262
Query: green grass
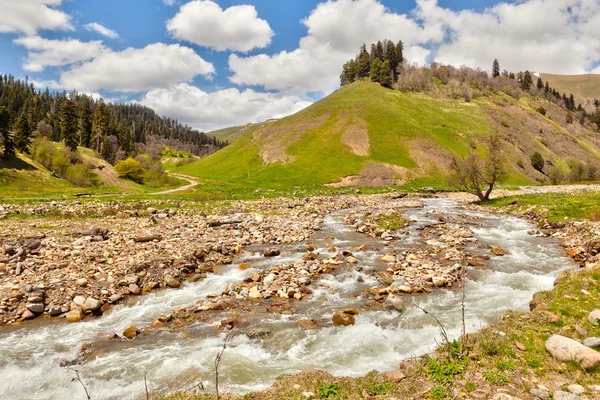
556 207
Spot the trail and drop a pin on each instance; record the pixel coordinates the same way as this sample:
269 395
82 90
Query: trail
193 182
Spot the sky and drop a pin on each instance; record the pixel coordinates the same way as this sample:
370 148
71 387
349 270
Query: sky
218 63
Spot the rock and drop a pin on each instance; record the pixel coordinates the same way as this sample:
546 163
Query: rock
79 301
172 282
395 376
244 266
269 279
131 332
439 281
351 311
560 395
395 302
36 308
594 315
55 312
92 304
540 393
27 315
254 293
388 258
520 346
504 396
592 342
498 251
115 298
35 299
340 319
157 324
565 349
258 333
307 323
151 210
134 289
75 315
576 389
271 253
83 282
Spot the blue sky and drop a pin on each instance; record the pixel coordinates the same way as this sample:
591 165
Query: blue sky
218 63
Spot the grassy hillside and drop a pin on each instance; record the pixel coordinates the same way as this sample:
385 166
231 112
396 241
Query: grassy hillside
234 133
586 86
364 134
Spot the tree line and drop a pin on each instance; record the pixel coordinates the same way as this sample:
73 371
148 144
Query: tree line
380 64
112 130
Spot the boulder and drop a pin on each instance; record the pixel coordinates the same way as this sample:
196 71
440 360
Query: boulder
342 319
79 301
560 395
92 304
351 311
75 315
157 324
254 293
134 289
565 349
576 389
592 342
541 393
172 282
438 281
27 315
395 376
131 332
594 315
82 282
307 323
388 258
395 302
36 308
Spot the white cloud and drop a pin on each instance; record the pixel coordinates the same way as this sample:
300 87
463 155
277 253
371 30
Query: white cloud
53 53
336 29
228 107
29 16
135 70
104 31
170 2
206 24
555 36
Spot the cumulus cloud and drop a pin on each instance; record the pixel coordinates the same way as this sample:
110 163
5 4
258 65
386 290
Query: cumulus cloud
29 16
555 36
135 70
228 107
206 24
336 29
53 53
104 31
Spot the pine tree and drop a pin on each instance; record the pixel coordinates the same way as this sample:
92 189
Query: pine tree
385 75
571 103
547 87
527 81
540 84
23 132
86 123
376 70
569 117
364 62
68 124
99 126
496 69
7 137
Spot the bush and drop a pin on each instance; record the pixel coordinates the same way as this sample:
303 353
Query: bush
556 176
541 110
131 169
537 161
81 175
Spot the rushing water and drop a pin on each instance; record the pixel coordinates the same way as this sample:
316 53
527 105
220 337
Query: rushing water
31 357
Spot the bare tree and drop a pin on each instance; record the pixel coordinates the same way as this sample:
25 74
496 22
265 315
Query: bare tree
478 175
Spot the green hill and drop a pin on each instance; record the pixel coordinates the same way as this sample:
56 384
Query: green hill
586 86
365 135
233 133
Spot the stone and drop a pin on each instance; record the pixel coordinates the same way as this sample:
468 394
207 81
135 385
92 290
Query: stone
269 279
244 266
134 289
388 258
114 298
92 304
271 253
565 349
594 315
498 251
35 299
254 293
172 282
79 301
592 342
520 346
560 395
540 393
307 323
504 396
342 319
439 281
395 302
157 324
351 311
75 315
394 376
576 389
36 308
131 332
258 333
83 282
27 315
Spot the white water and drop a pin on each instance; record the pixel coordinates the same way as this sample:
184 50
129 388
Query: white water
30 358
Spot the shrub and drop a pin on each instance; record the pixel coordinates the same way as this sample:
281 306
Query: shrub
537 161
131 169
541 110
556 176
81 175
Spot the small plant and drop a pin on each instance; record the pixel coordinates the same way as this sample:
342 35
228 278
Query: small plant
443 371
506 365
504 123
376 388
594 215
541 110
495 377
328 390
438 393
470 386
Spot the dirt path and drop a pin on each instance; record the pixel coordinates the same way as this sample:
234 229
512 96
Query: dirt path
192 180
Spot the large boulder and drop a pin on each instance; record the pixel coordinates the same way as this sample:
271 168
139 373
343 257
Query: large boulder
395 302
342 319
565 349
75 315
92 304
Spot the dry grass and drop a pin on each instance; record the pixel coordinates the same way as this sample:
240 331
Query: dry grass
586 86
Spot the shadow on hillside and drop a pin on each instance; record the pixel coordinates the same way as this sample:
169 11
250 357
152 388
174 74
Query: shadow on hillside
16 163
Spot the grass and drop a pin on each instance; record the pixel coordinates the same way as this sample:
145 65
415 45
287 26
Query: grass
582 86
556 207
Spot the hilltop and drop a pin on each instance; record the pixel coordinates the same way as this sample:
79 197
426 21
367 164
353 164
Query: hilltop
367 135
586 86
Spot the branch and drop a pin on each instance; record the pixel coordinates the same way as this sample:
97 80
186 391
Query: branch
218 361
82 384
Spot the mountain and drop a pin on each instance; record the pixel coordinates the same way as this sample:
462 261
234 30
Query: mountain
586 86
367 135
